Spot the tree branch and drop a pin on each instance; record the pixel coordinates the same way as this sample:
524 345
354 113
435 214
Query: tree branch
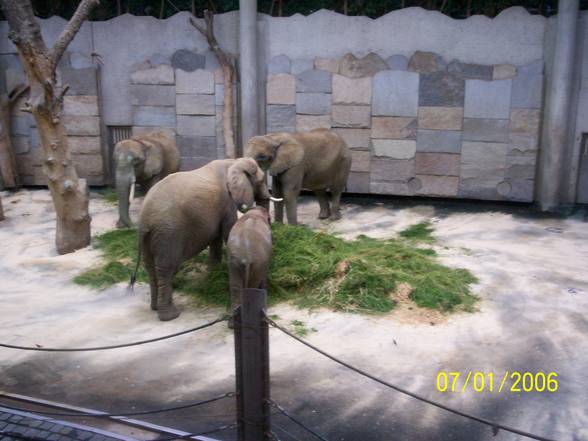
71 29
16 92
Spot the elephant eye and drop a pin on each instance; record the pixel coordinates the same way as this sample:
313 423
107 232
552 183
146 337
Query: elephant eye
262 157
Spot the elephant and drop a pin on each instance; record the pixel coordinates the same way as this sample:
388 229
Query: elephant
189 211
249 250
145 159
318 160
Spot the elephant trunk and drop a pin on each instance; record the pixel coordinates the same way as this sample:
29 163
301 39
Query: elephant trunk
125 183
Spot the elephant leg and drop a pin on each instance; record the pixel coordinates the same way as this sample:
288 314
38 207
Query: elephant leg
215 252
150 267
291 200
323 200
336 204
278 192
166 310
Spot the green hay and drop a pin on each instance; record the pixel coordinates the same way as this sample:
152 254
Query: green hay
109 195
312 270
421 232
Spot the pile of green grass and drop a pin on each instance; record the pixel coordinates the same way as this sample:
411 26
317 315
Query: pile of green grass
313 269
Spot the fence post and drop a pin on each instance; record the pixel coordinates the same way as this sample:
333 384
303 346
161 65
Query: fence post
252 366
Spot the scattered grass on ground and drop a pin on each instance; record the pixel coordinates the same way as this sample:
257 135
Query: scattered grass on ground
300 328
108 194
312 269
422 232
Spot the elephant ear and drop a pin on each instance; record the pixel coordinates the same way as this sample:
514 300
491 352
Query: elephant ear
239 177
153 157
288 153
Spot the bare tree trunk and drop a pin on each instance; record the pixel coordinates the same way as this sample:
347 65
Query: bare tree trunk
228 69
8 168
70 194
161 8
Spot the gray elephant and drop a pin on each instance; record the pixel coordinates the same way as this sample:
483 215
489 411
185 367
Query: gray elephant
249 250
145 159
189 211
318 160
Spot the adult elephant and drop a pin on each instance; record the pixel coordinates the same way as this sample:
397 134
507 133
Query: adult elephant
145 159
189 211
318 160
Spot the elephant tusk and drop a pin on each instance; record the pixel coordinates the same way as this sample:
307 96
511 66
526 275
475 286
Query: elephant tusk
273 199
132 192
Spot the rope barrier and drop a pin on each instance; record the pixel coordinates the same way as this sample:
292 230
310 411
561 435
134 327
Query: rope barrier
287 415
125 345
121 414
285 431
494 425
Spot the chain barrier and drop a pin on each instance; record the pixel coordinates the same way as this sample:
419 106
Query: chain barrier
301 424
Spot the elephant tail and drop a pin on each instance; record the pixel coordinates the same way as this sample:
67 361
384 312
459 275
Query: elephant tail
134 274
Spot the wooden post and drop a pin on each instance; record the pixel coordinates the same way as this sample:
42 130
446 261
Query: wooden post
252 366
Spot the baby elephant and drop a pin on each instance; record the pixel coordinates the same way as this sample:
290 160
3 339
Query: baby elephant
249 250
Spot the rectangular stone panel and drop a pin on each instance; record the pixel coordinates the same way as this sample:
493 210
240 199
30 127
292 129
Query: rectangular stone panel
281 89
525 121
154 116
81 125
483 159
439 141
20 125
519 143
440 118
198 81
80 81
480 188
485 129
305 123
193 162
395 93
352 90
467 70
444 186
162 74
360 161
487 99
394 127
85 145
398 187
441 89
351 116
386 169
21 144
355 138
196 125
358 183
440 164
140 130
80 105
393 148
204 146
195 105
521 166
88 165
313 103
519 190
281 118
527 91
314 81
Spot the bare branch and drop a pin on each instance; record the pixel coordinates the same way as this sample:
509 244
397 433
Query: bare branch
16 92
71 29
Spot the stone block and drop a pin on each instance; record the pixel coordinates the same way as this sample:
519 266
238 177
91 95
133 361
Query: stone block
439 164
196 125
152 95
80 61
480 188
521 166
368 66
527 91
484 129
406 187
532 68
525 121
25 165
219 94
195 105
397 62
327 64
394 148
187 61
193 162
199 81
394 127
162 74
80 105
441 89
80 81
314 81
352 90
358 139
387 169
281 118
351 116
360 161
141 130
21 144
487 99
305 123
281 89
84 145
438 141
88 165
443 186
440 118
424 62
190 146
14 78
154 116
81 125
20 125
300 65
471 71
279 64
519 190
358 182
158 59
313 103
395 93
483 160
522 143
504 72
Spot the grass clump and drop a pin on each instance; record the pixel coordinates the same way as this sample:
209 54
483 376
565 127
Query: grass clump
312 269
421 232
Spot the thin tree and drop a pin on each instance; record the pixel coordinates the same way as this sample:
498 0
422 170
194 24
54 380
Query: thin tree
228 69
8 170
70 194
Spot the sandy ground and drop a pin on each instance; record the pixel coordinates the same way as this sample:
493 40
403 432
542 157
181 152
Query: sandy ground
532 316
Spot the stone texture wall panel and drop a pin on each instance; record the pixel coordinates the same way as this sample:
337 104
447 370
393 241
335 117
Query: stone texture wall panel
351 116
386 169
358 139
358 182
394 127
395 93
80 105
152 95
393 148
281 89
313 103
440 118
154 116
484 129
200 81
439 164
81 125
487 99
195 105
443 186
196 125
439 141
314 81
360 161
162 74
441 89
305 123
352 90
280 118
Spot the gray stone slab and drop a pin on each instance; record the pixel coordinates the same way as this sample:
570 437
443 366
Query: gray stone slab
360 161
198 81
281 118
358 182
441 89
532 68
14 78
368 66
471 71
306 123
196 125
442 186
161 74
300 65
21 144
395 93
440 164
152 95
487 99
80 81
425 62
522 143
157 59
480 188
195 104
211 62
484 129
80 61
483 159
279 64
527 91
521 166
406 187
193 162
315 80
350 116
81 125
84 145
438 141
358 139
397 62
20 125
519 190
197 146
313 103
385 169
154 116
187 61
219 94
394 148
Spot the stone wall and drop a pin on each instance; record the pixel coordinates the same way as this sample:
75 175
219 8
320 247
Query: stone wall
418 126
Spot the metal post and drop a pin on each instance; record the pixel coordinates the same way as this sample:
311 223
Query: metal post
252 366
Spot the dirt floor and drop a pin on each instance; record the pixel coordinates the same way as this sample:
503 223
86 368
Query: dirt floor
532 316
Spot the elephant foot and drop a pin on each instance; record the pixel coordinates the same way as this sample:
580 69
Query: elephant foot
168 314
336 215
123 224
153 307
324 215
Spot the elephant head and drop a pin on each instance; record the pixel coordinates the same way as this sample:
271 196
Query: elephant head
134 160
247 186
275 153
